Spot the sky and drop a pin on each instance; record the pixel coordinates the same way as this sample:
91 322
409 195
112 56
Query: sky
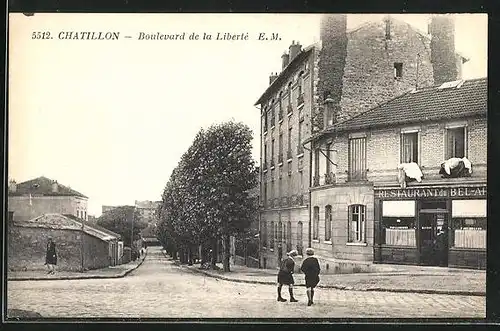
111 119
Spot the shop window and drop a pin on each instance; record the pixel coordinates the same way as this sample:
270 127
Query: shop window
399 231
357 159
328 223
469 232
409 147
455 142
263 233
468 225
316 223
356 228
300 229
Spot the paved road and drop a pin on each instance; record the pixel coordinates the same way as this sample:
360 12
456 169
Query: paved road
161 290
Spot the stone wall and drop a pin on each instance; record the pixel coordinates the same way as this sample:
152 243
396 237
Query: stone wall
27 249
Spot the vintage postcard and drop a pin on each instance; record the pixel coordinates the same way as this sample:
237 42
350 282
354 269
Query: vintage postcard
186 166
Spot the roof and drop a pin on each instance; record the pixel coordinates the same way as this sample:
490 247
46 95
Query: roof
63 222
43 186
94 225
285 73
468 98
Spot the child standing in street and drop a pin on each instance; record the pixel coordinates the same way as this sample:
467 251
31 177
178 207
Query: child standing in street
285 275
310 267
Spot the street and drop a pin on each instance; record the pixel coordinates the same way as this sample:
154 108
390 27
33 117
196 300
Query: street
159 289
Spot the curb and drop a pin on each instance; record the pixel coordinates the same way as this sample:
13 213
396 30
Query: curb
339 287
120 275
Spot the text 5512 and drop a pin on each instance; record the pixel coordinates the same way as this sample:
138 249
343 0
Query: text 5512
41 35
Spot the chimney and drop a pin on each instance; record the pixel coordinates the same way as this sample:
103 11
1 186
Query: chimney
332 61
443 56
12 186
294 50
55 187
285 59
273 77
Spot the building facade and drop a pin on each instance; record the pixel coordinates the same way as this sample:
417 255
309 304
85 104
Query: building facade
147 209
371 210
42 195
344 74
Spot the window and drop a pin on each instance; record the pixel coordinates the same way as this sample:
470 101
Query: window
409 147
289 150
271 242
272 152
300 97
264 196
265 155
289 105
356 227
316 223
289 236
280 146
266 114
469 223
328 158
263 233
84 215
455 142
316 167
280 107
328 223
357 159
279 239
300 149
398 70
300 229
271 195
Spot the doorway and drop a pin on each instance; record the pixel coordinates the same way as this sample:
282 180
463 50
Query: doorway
433 233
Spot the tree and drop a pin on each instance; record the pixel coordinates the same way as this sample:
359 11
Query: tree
120 220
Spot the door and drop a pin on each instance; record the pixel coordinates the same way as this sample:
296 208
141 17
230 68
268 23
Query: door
433 243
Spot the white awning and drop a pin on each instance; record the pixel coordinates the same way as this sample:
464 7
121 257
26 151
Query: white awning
468 208
398 208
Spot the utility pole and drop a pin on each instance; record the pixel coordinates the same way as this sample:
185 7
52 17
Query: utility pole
82 246
132 232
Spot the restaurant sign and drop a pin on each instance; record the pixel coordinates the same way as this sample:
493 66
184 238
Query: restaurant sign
449 192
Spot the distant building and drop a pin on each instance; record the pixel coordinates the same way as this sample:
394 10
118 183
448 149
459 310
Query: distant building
106 209
42 195
346 73
147 209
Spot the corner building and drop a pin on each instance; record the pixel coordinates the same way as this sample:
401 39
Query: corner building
346 73
371 211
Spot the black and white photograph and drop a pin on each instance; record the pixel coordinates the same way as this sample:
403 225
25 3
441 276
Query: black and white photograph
246 166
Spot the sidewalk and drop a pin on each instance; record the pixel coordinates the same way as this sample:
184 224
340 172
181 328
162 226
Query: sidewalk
118 271
430 280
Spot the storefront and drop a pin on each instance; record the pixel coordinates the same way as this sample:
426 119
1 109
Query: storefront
431 225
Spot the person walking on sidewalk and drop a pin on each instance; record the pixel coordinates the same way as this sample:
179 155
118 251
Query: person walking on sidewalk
310 267
51 256
285 275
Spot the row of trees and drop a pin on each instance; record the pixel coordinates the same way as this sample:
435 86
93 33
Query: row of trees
207 197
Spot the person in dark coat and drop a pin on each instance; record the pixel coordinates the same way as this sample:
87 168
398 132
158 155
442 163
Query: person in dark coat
51 256
310 267
285 275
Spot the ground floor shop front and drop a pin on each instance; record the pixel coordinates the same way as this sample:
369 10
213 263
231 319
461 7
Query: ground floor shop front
433 225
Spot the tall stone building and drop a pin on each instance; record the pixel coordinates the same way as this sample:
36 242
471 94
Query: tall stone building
345 73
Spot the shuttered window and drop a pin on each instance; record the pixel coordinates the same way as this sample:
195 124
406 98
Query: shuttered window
328 223
316 223
357 158
455 142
